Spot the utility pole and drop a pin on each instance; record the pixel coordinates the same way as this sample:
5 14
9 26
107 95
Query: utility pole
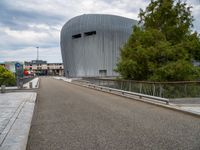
37 52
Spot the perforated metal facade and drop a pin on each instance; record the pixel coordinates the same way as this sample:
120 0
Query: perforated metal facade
90 44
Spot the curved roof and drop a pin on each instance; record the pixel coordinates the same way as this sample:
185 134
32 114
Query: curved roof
88 22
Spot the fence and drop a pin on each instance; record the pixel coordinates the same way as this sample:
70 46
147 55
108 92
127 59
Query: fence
161 89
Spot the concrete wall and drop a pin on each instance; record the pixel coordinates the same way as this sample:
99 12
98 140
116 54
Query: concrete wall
88 54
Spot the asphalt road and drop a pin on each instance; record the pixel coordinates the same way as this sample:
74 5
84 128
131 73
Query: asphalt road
76 118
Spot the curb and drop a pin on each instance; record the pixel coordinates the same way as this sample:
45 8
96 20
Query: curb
38 83
26 86
15 89
15 135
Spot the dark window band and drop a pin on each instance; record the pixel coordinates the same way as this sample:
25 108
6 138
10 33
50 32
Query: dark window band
76 36
90 33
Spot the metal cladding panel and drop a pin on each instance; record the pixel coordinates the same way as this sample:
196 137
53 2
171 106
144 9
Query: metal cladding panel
86 55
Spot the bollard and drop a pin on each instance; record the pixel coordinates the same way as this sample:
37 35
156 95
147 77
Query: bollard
21 83
30 85
3 88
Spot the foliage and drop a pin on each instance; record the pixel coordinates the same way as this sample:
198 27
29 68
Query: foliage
6 77
163 47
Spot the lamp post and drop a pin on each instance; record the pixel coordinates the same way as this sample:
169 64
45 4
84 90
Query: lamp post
37 52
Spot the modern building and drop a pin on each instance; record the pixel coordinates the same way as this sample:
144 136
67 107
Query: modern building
90 44
40 67
10 65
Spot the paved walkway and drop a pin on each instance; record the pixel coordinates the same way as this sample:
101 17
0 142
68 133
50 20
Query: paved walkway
73 117
16 110
188 104
193 109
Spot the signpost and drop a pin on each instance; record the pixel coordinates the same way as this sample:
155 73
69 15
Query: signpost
19 74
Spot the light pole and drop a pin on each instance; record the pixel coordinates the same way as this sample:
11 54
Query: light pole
37 52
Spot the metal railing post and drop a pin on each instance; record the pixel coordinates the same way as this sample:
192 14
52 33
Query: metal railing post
129 86
160 91
140 87
154 89
185 88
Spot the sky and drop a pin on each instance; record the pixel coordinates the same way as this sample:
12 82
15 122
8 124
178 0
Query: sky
26 24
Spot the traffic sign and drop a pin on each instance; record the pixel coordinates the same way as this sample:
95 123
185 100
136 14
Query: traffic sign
17 66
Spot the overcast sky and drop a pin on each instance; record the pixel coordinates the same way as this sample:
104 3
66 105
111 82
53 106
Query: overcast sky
25 24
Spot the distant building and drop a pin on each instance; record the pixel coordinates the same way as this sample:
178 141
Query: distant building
40 67
10 65
37 62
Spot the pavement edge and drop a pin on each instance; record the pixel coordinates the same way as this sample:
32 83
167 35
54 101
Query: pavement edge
17 136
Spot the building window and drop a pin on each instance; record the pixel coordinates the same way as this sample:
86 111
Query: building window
76 36
90 33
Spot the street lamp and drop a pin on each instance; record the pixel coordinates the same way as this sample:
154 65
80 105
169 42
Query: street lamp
37 52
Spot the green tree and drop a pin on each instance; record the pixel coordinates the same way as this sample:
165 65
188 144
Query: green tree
163 47
6 77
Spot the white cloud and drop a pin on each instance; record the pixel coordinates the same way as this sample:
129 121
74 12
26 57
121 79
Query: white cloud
14 39
26 24
26 36
30 53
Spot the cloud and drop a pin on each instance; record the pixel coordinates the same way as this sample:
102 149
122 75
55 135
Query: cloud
196 14
30 53
16 39
25 24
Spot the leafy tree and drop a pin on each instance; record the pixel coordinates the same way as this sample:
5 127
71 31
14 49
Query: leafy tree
163 47
6 77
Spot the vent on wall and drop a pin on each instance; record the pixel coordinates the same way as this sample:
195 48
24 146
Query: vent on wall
103 73
76 36
90 33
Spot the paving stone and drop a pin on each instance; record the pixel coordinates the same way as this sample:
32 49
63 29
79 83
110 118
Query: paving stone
16 110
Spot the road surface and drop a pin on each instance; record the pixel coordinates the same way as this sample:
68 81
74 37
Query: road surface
77 118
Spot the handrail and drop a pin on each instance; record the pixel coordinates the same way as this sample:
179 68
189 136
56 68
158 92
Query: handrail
147 82
131 93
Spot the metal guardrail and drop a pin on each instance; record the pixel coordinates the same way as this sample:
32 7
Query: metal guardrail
139 95
103 88
159 89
